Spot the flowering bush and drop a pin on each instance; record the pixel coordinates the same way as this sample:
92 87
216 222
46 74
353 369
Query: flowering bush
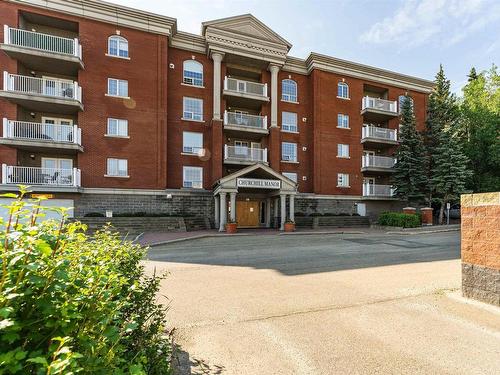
70 303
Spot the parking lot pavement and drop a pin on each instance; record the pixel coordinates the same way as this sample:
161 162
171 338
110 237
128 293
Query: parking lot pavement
325 304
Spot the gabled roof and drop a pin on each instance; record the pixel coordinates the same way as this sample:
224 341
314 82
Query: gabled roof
246 24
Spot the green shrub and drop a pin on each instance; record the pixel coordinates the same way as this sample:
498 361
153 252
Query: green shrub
70 303
398 219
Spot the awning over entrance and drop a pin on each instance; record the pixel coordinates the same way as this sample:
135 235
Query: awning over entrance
259 180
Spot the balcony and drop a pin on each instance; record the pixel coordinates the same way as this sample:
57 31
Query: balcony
379 109
371 163
34 135
237 122
42 94
43 52
244 155
377 135
46 178
242 90
378 191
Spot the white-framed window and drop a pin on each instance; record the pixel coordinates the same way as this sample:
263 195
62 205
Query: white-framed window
289 122
192 143
343 180
192 73
291 175
342 150
117 87
289 90
117 167
117 46
401 100
192 109
342 121
289 151
343 90
192 177
117 127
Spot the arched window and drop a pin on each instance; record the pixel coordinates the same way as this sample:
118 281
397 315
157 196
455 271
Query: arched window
117 46
289 90
343 90
193 73
401 100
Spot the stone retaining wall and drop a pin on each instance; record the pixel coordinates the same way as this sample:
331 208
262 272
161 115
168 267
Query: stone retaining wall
481 246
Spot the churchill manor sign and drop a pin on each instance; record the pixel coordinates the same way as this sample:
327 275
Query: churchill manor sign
258 183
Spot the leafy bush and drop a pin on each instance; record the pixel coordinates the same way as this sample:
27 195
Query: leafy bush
71 303
398 219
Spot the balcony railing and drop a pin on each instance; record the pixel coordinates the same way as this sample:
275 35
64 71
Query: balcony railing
377 161
245 87
243 153
42 86
34 131
245 120
40 176
42 42
380 105
373 190
375 132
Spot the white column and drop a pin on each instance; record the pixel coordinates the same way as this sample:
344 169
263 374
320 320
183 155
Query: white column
276 203
223 212
268 212
233 206
292 207
4 173
274 94
217 57
217 210
283 211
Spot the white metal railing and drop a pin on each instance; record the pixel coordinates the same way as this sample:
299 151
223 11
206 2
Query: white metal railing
40 176
377 161
369 131
245 120
245 87
380 104
243 153
377 190
42 42
42 86
42 132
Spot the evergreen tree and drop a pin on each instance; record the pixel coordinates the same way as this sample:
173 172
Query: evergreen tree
472 75
409 178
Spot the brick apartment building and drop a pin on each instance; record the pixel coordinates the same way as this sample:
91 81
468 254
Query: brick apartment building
108 108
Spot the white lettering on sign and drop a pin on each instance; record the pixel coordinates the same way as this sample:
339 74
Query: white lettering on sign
258 183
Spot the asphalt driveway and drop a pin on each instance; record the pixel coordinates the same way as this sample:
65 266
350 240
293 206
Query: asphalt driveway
325 305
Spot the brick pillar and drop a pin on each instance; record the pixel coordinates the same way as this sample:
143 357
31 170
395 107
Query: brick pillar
426 215
217 150
274 148
409 210
480 214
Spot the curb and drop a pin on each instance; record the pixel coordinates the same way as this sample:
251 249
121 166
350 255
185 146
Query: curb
317 233
198 237
427 231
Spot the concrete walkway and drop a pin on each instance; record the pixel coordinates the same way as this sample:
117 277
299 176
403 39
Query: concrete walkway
315 304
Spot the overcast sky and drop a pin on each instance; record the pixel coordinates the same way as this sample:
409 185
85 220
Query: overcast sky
407 36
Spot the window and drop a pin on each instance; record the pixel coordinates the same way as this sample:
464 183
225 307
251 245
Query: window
343 180
192 177
342 121
289 151
192 143
117 167
193 73
117 127
117 46
193 109
117 87
342 151
402 99
288 90
292 176
343 90
289 122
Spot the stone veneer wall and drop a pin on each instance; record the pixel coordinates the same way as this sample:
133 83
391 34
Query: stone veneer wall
481 246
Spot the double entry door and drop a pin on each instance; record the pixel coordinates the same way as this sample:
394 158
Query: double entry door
248 213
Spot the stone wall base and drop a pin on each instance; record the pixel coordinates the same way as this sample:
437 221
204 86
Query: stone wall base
481 283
